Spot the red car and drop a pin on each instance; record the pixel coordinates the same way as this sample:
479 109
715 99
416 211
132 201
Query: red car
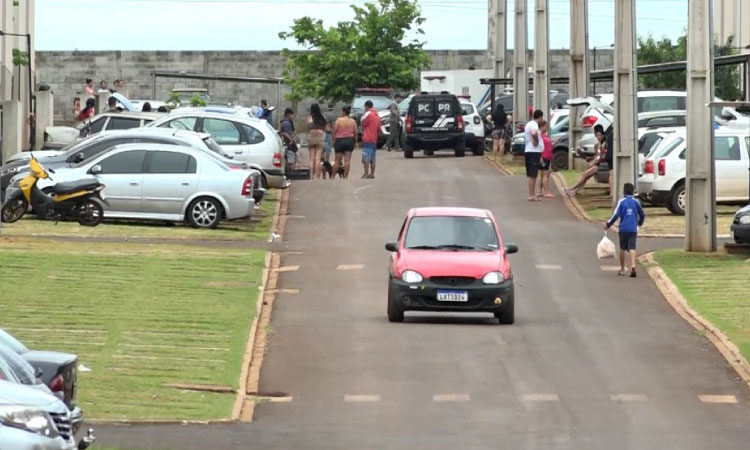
450 259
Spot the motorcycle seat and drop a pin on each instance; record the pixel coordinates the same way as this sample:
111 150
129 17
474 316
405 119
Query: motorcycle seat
77 185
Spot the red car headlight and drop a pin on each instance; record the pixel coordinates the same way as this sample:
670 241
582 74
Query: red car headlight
493 278
410 276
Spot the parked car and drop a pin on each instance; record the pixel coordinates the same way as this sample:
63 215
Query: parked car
558 135
434 122
26 155
665 145
167 182
506 99
58 137
740 228
155 104
473 126
33 420
732 159
57 370
246 139
380 97
450 259
14 367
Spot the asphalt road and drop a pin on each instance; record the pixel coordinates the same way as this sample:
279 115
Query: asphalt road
593 361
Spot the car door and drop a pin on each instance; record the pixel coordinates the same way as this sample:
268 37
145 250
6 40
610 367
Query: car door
228 136
122 175
731 172
170 177
257 151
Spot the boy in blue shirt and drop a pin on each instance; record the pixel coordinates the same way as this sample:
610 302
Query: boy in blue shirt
631 216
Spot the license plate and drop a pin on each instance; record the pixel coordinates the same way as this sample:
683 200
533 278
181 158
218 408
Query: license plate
452 296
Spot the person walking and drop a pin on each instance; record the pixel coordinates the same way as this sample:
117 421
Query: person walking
394 127
316 130
631 216
289 138
344 140
370 130
89 88
601 155
328 144
499 121
533 152
546 162
88 111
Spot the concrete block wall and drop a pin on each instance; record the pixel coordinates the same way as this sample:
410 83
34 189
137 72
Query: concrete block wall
65 72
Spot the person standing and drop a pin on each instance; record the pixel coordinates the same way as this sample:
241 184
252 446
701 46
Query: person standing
88 111
316 130
546 162
289 138
89 88
533 152
103 87
344 140
112 105
264 112
394 126
328 145
631 216
370 130
499 118
600 155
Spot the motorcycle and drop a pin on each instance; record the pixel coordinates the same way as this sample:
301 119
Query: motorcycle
80 200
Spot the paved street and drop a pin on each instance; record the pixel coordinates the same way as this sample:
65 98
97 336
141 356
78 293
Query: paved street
593 361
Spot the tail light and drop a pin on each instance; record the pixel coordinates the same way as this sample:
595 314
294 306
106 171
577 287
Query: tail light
277 159
460 123
409 127
57 384
648 167
247 186
589 121
662 167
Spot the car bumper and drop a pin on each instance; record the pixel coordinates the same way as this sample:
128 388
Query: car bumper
240 208
434 141
76 419
13 438
482 297
660 197
740 233
276 179
645 186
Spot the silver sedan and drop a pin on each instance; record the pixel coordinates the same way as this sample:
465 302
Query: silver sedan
165 182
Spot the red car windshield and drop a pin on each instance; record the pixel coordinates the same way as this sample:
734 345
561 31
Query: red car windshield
451 233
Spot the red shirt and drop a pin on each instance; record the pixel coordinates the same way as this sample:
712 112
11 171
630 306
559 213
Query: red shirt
547 153
370 126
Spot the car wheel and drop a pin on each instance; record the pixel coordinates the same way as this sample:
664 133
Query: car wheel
408 150
678 199
395 309
507 316
204 212
560 160
477 149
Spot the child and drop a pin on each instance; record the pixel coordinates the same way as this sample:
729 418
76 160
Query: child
546 162
631 216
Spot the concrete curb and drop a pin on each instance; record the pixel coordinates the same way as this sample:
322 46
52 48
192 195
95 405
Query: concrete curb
675 299
571 203
498 166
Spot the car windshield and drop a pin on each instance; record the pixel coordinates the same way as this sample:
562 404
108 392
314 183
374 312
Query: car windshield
378 101
560 126
21 369
404 105
666 147
451 233
9 341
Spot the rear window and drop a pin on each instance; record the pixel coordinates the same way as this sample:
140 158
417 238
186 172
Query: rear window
667 103
451 233
378 101
467 108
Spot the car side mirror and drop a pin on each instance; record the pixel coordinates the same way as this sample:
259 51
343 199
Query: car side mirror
38 373
392 246
97 169
511 248
78 158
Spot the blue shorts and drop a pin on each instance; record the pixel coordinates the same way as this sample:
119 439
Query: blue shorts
627 240
368 152
327 144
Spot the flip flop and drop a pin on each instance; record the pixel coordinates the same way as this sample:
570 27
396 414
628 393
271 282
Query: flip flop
549 196
621 273
534 199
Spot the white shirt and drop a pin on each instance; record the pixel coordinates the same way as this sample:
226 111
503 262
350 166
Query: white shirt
530 147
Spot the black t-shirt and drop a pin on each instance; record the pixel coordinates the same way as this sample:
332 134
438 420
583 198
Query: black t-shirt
610 147
499 116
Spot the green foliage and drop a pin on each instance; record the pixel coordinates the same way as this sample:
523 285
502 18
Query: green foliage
197 100
20 58
174 100
371 50
652 51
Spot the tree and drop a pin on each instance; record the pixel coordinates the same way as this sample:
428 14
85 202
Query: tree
651 51
20 59
371 50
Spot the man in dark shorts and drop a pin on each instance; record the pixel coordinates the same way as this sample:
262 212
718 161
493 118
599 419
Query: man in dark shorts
533 152
631 216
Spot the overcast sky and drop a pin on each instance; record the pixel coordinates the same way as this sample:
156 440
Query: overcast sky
255 24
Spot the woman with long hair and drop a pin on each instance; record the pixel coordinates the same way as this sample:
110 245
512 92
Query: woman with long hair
316 134
88 111
344 139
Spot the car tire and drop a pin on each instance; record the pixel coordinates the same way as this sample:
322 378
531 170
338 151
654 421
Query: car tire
508 315
478 149
263 181
677 199
560 160
395 309
204 212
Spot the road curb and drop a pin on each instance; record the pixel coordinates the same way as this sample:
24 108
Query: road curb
571 203
498 166
675 299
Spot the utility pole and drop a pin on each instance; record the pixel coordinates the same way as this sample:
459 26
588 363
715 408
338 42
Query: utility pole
520 71
498 37
700 226
541 57
626 101
579 73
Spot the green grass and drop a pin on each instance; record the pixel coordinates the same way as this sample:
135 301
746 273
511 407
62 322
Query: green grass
515 165
139 316
715 285
256 229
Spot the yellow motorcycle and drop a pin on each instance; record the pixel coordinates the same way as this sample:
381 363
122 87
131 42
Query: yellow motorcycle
81 200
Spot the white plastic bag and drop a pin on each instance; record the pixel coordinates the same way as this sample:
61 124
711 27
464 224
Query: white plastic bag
606 248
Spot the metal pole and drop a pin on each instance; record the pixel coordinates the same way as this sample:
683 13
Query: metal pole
153 85
541 57
500 38
579 74
700 226
626 102
520 71
277 122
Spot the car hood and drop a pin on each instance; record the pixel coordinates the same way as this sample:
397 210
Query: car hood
473 264
63 130
18 394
